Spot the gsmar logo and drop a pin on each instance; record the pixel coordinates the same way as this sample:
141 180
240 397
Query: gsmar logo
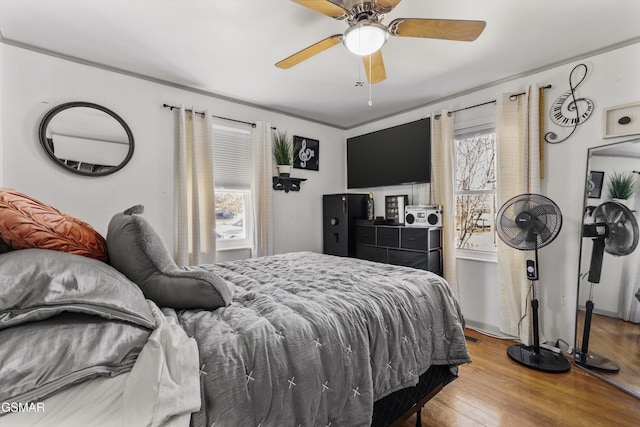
21 407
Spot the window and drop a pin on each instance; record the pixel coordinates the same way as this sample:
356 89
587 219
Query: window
475 188
233 173
231 208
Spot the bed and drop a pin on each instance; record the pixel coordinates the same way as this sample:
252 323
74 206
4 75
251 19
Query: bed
317 339
300 339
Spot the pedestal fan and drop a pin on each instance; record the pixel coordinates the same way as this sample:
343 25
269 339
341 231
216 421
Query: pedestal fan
615 231
529 222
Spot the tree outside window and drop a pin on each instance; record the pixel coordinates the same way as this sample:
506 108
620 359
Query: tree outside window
476 190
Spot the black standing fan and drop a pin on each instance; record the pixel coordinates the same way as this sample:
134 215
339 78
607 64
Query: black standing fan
615 231
529 222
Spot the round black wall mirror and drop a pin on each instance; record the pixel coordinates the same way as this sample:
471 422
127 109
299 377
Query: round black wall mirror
87 139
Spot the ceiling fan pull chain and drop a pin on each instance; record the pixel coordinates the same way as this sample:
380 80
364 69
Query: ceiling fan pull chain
370 61
359 82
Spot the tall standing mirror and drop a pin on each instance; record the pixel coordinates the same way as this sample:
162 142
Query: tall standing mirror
608 312
86 138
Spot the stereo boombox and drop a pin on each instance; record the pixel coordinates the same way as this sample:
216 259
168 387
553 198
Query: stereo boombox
423 216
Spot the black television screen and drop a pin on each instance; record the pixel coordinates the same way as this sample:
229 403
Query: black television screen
397 155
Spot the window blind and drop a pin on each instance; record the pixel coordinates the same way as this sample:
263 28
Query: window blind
232 157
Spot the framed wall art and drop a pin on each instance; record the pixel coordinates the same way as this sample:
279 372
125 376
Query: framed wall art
622 120
306 153
594 184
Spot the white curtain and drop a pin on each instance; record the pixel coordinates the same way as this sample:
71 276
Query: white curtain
629 305
443 162
518 162
630 283
196 234
261 189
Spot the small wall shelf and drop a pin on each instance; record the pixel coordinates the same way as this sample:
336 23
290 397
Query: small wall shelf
287 183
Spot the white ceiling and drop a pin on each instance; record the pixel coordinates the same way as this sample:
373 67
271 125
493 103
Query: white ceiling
229 47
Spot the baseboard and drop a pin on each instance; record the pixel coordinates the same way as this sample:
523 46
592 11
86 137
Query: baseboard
487 329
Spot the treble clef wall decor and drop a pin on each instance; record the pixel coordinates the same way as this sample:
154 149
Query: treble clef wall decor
569 111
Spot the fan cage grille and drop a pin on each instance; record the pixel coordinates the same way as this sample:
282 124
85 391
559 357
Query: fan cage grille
529 221
622 238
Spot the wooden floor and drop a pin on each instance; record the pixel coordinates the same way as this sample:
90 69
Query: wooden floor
495 391
619 341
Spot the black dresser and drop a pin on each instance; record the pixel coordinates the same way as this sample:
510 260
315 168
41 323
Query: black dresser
417 247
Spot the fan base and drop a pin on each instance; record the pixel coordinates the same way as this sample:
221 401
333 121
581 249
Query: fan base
544 360
597 362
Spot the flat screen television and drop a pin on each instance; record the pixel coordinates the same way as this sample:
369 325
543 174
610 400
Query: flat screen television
393 156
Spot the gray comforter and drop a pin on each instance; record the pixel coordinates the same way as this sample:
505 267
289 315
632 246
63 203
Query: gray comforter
314 340
64 319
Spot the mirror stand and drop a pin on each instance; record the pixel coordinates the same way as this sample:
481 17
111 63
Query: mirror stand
588 359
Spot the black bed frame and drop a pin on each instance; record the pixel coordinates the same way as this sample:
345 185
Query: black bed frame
400 405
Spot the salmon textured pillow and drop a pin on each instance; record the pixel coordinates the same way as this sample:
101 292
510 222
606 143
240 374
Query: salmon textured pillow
26 223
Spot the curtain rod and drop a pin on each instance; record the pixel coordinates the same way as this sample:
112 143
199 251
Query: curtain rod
171 107
512 97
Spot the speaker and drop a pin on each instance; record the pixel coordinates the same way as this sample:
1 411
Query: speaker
434 217
423 216
339 215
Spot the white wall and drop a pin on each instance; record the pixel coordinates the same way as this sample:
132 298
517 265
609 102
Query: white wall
33 83
612 80
2 157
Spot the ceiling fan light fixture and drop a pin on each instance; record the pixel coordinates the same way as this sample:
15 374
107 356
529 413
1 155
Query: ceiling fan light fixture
365 38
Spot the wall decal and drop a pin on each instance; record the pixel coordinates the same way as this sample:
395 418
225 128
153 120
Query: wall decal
306 153
567 110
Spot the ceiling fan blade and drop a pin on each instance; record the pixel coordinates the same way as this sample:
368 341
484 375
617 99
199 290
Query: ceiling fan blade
374 66
387 5
325 7
310 51
446 29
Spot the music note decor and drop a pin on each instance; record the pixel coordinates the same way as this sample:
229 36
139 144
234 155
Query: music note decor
567 110
306 153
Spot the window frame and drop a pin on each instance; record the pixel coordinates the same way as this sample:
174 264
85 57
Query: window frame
243 188
247 242
466 131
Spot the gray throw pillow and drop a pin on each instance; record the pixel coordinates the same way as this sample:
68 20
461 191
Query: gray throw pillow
37 284
136 250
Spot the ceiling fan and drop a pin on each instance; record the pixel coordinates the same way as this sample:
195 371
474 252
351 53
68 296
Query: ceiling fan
366 34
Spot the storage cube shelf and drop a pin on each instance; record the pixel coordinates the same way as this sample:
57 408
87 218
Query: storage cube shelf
417 247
